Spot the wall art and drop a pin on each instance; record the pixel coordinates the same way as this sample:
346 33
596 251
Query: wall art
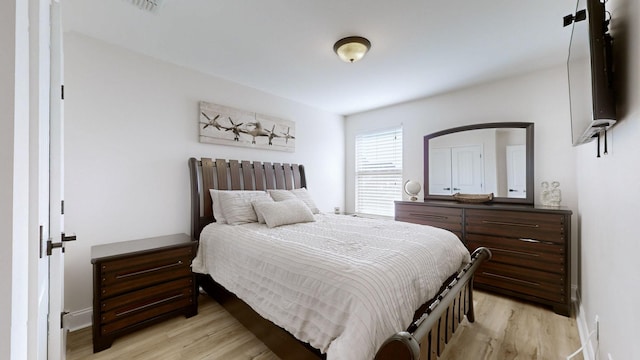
225 125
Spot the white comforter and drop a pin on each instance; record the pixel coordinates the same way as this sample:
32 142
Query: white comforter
342 284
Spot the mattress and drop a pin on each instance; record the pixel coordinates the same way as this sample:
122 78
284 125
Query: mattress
342 284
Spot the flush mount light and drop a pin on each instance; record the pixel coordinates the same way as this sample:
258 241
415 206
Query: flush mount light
352 48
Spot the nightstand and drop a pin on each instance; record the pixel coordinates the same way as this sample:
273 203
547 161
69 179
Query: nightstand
140 282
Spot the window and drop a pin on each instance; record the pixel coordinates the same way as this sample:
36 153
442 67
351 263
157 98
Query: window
378 171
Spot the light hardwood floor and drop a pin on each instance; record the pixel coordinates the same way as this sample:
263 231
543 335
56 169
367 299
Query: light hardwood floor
505 329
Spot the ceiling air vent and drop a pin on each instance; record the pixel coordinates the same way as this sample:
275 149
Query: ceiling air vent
147 5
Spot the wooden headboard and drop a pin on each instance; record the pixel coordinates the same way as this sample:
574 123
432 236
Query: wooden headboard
235 175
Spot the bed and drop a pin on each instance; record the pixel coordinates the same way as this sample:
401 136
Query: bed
344 286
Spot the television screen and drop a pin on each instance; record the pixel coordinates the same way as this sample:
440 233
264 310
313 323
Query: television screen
590 73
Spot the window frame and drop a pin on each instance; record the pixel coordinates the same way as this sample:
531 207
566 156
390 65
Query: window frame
392 173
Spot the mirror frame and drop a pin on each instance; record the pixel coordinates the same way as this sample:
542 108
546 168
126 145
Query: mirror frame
529 127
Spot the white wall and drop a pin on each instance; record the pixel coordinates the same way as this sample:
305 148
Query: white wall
14 178
131 125
609 194
7 116
541 97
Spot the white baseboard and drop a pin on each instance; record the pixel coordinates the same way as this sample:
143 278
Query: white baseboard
77 320
583 330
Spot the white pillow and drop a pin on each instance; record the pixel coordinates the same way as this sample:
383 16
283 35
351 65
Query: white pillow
235 205
302 194
280 195
217 210
258 213
284 212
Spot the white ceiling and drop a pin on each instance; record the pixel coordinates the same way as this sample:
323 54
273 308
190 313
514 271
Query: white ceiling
419 48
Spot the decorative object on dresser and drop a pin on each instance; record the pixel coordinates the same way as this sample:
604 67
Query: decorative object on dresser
550 196
433 323
140 282
481 159
473 198
530 245
412 188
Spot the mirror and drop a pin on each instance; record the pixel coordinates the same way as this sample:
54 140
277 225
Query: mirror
481 159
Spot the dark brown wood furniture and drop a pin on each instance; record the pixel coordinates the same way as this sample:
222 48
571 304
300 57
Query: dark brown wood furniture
434 323
490 157
530 245
137 283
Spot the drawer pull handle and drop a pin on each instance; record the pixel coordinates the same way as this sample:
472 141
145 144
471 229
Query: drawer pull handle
150 305
540 242
511 279
510 224
149 270
516 252
439 217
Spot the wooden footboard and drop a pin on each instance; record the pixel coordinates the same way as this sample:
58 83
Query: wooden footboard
426 337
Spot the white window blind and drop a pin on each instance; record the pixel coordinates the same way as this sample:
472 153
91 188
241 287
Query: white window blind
378 171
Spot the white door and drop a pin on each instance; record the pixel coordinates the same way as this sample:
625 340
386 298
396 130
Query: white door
57 335
39 101
516 171
440 171
467 169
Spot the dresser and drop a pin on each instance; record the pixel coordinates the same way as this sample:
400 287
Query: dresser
530 245
140 282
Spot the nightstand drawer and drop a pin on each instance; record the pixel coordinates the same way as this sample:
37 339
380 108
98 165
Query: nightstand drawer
130 300
121 268
145 309
130 274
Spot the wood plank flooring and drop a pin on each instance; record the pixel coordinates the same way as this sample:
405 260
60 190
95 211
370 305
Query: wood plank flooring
505 329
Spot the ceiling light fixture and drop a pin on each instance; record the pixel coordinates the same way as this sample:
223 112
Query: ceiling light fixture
352 48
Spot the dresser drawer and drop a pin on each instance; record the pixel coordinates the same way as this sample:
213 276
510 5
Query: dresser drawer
132 273
540 284
525 225
440 217
524 253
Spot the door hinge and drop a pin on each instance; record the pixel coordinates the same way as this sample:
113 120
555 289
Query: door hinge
41 241
62 207
62 92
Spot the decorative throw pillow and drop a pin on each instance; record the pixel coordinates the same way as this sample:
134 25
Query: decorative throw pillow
284 212
258 213
302 194
236 206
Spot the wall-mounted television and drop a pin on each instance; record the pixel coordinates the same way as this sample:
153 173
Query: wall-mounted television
590 69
